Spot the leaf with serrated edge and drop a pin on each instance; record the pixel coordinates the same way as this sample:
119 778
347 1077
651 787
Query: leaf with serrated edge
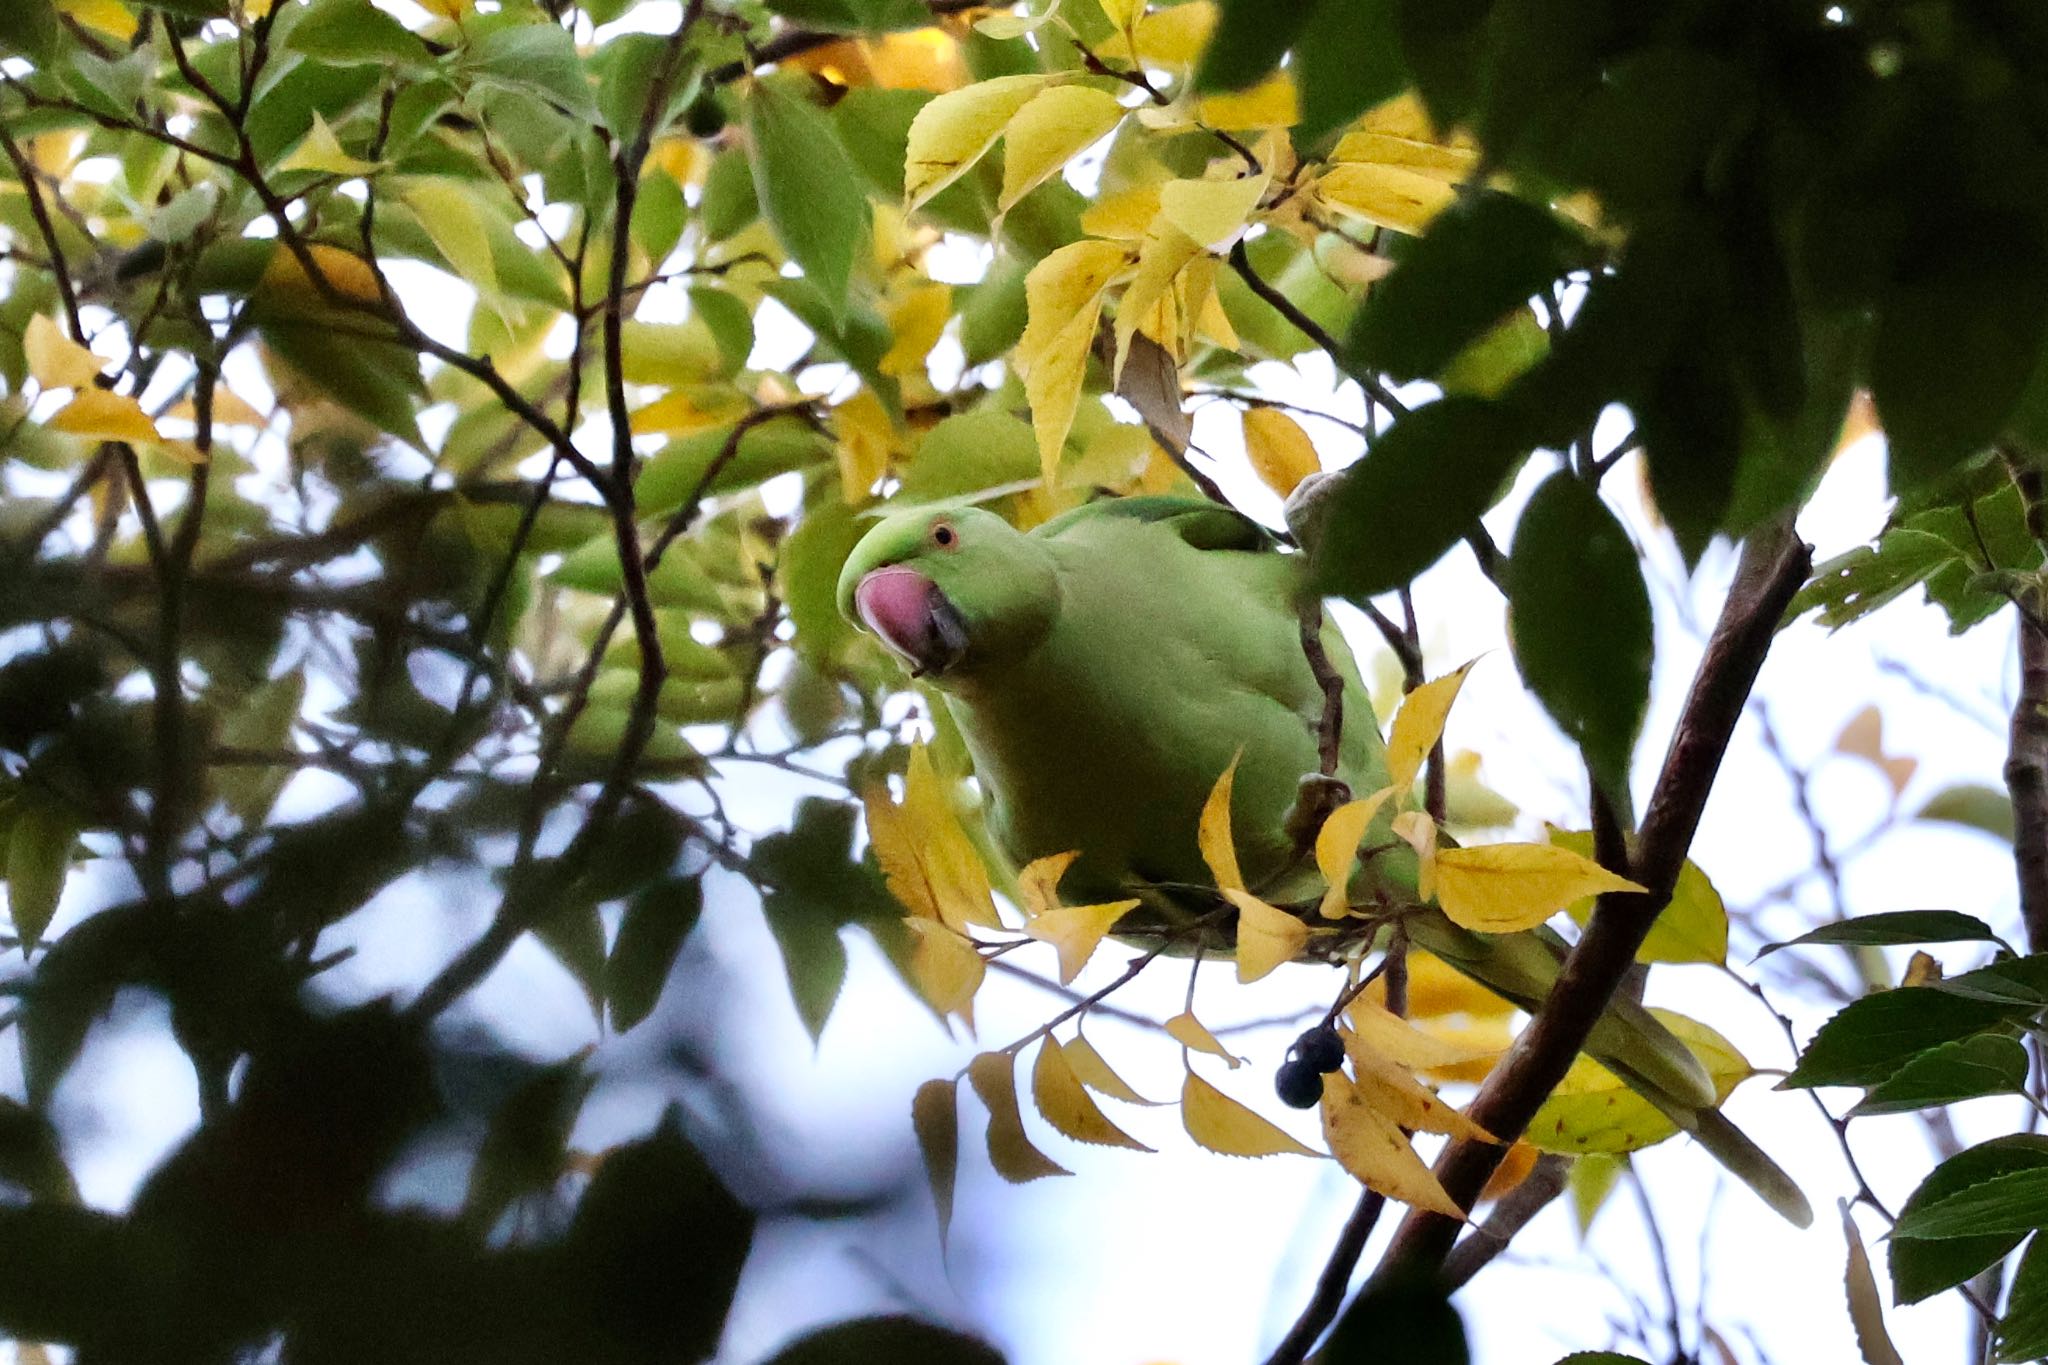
1399 1041
1221 1124
993 1075
1337 848
956 129
1064 1102
1506 888
1389 1088
1077 931
1376 1152
1188 1031
1266 935
1095 1073
933 1113
1419 724
1054 127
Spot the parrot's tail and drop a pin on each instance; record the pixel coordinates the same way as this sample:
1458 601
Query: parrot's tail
1628 1040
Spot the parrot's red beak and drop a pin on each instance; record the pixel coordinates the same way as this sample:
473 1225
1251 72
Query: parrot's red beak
910 615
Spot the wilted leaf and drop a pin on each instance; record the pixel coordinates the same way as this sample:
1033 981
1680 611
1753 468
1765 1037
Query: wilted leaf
1372 1147
1593 1110
935 1116
1337 848
1505 888
1189 1032
1210 213
1093 1072
1389 1088
993 1075
1394 1038
1064 1102
1076 931
1266 935
945 967
929 862
1219 851
1693 927
100 415
1222 1125
1063 296
1866 1309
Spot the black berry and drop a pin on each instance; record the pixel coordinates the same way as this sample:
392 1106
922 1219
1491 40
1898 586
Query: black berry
1299 1085
705 117
1320 1049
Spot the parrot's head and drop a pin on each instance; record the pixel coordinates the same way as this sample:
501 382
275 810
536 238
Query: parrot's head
952 592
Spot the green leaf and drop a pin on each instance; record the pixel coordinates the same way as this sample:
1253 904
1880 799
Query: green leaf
1421 487
39 848
1973 806
854 16
1347 60
1957 339
1408 1319
1251 36
349 31
969 454
1693 927
2023 1328
813 888
1859 581
1482 258
2015 981
808 190
809 574
729 204
886 1341
1896 927
31 28
1967 1069
1924 1268
1580 623
1871 1039
537 59
375 380
574 933
767 449
627 68
2014 1203
32 1156
656 923
526 1147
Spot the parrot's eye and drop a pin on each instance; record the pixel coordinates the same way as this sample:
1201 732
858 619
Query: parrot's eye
944 536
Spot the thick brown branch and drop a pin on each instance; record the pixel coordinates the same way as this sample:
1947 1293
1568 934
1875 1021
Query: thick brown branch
1773 566
2026 762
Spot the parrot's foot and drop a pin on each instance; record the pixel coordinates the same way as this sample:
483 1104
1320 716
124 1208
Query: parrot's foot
1316 797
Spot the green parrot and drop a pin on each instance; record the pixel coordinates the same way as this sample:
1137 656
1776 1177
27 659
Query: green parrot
1104 669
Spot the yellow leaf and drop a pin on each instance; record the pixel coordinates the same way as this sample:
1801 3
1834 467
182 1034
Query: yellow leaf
993 1076
1515 1166
448 9
1337 848
1122 13
1211 212
1053 389
867 437
1593 1111
1266 935
1377 1153
945 967
1389 1088
1066 1104
1389 196
1165 251
229 410
1436 990
1506 888
917 59
926 858
1038 883
1188 1031
346 273
1220 1123
916 320
1076 931
935 1115
1003 27
1125 215
55 361
1419 831
449 212
108 16
184 452
677 413
956 129
1063 301
1095 1073
1270 104
1400 1042
1175 37
1692 928
1213 833
1280 451
321 151
1056 126
1419 724
99 415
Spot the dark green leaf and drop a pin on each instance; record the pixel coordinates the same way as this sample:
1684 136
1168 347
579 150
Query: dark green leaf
808 189
1869 1040
1482 258
887 1341
1973 806
1348 60
347 31
376 381
2023 1328
1420 488
814 888
1409 1320
1251 36
1859 581
1967 1069
970 453
1689 419
651 934
1896 927
1580 623
767 449
31 1156
527 1145
1444 45
2014 1203
1923 1268
535 59
2016 981
30 28
574 934
1957 340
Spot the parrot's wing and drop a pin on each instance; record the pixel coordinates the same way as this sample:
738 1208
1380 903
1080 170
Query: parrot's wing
1201 523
